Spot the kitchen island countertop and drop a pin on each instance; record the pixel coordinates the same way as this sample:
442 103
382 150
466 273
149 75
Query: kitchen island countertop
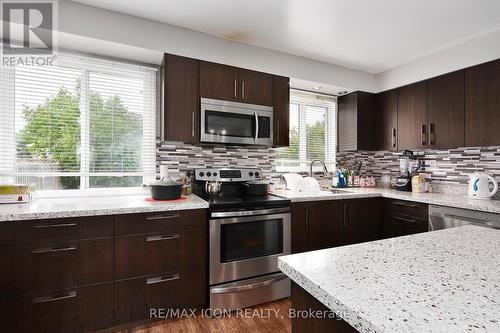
440 281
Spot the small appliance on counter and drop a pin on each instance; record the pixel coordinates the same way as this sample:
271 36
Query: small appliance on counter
409 164
419 184
479 186
15 193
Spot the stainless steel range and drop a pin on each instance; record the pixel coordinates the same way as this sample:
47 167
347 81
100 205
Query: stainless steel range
246 236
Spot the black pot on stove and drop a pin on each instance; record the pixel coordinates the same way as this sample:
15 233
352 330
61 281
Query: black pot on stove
257 187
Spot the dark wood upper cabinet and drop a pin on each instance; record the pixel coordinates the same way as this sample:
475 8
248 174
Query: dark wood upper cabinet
235 84
386 123
482 104
180 99
281 121
184 81
219 81
356 116
446 111
255 87
412 116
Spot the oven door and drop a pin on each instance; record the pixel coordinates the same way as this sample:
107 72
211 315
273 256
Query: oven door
238 123
248 246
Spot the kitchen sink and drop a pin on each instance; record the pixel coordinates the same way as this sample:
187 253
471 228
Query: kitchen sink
340 191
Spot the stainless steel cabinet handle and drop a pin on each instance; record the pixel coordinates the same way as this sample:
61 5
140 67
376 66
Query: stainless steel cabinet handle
224 290
250 212
393 137
423 135
431 134
404 204
61 225
307 220
404 219
161 238
256 126
52 249
467 219
192 125
242 89
161 279
235 89
45 299
345 214
162 217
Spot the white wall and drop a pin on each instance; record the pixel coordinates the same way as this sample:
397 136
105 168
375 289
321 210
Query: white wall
85 21
481 49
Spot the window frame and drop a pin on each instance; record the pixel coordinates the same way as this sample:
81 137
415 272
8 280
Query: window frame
330 132
88 64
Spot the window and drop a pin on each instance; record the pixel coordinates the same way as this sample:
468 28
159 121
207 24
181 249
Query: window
312 132
85 123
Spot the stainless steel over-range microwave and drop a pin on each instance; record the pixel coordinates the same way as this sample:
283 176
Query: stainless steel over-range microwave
236 123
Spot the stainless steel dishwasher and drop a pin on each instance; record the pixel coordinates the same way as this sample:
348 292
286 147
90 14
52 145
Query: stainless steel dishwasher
446 217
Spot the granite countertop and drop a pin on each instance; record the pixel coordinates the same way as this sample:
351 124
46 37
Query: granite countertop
439 281
90 206
450 200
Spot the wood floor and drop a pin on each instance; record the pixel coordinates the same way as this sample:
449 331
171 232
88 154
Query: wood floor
275 319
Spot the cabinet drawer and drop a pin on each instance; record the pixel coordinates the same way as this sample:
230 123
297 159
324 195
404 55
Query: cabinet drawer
50 230
409 208
73 310
158 222
139 255
38 268
137 299
402 225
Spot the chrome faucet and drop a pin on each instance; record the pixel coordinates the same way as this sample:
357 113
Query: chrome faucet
325 170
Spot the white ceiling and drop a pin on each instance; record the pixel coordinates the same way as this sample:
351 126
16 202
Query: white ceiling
368 35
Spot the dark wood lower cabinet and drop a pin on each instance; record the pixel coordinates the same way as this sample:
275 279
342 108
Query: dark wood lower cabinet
325 223
317 225
303 302
299 227
74 310
322 224
404 218
30 269
141 298
138 255
364 220
130 264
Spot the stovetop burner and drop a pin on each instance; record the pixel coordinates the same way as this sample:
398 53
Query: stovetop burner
228 202
233 191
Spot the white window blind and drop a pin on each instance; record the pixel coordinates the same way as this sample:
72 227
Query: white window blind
312 132
84 123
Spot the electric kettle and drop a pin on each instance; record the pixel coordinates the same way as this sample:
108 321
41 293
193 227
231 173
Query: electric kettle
479 186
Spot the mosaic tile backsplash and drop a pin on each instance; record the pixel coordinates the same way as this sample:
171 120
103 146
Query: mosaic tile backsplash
182 157
441 166
445 168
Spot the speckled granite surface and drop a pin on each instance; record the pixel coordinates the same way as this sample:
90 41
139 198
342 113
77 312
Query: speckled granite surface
440 281
451 200
90 206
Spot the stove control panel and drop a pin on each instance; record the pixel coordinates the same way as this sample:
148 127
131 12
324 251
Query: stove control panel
228 175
